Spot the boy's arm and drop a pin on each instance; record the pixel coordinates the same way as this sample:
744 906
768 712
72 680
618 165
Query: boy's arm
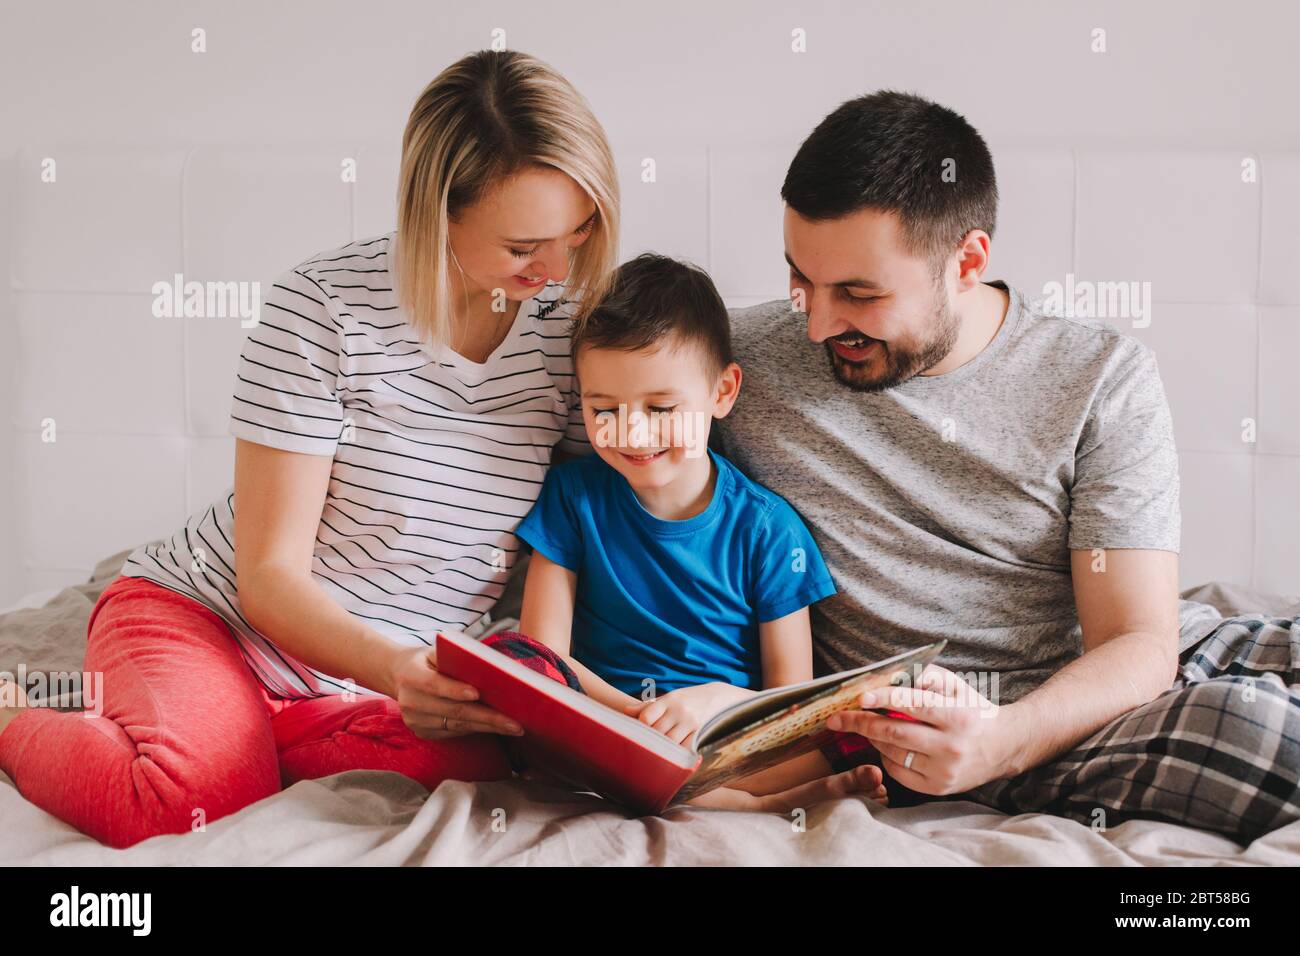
547 616
786 648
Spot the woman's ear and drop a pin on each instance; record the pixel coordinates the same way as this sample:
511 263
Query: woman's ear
727 391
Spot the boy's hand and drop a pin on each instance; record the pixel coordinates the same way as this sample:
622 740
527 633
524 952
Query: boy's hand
679 713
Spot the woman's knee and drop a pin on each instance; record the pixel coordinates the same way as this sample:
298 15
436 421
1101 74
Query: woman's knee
371 735
171 797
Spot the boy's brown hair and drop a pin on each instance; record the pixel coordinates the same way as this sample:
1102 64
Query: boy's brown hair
655 299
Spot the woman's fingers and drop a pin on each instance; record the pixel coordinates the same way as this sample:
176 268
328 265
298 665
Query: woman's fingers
440 685
427 712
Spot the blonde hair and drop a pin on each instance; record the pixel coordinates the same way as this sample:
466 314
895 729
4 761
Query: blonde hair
484 118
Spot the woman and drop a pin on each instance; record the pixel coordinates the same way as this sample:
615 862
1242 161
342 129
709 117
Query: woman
395 412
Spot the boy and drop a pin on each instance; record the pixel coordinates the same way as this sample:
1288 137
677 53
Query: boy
671 583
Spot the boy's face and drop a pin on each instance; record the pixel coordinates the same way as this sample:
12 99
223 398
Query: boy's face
649 412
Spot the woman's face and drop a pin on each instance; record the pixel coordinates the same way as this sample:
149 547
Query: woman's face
521 234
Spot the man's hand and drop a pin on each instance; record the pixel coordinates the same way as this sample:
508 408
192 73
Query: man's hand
958 740
679 713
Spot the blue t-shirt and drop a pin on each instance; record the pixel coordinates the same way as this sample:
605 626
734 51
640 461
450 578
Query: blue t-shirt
678 602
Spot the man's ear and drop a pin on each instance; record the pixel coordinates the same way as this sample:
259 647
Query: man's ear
972 259
727 391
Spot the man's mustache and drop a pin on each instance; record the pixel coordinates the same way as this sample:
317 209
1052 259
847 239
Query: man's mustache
846 337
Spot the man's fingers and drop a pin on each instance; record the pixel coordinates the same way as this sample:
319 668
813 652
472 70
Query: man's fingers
899 756
927 706
940 679
913 735
907 777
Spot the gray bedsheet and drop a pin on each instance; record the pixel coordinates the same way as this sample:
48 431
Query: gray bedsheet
370 818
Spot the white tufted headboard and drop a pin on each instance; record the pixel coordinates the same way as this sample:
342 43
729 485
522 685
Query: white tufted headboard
140 403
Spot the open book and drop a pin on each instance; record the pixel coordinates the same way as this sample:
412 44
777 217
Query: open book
619 757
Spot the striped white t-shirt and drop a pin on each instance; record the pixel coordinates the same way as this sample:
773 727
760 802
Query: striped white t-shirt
436 458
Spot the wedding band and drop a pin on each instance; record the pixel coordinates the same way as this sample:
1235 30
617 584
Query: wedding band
907 761
444 721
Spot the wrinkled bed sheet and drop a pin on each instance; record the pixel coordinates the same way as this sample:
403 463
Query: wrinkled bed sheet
371 818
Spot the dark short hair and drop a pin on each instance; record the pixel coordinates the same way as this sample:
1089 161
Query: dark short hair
888 151
653 299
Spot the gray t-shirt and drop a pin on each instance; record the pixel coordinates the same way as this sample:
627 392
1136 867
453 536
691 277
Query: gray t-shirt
947 507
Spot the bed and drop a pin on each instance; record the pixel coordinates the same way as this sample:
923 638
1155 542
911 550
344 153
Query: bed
379 819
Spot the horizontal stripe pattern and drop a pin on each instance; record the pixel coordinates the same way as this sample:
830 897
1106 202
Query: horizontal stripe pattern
436 458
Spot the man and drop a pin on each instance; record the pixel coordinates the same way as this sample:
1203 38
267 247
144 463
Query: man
976 471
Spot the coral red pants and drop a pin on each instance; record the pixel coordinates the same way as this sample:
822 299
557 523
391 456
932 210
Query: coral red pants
188 734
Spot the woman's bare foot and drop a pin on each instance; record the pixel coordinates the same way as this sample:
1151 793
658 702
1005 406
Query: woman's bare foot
13 700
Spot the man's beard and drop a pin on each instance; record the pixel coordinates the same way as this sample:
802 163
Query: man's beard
899 363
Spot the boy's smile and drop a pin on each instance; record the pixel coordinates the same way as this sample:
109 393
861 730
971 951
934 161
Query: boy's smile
648 414
644 458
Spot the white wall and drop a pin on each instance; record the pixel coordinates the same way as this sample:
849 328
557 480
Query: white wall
1115 166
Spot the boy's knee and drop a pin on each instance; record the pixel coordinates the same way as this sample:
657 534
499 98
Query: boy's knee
534 655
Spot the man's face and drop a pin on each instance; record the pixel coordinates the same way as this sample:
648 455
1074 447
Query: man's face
881 311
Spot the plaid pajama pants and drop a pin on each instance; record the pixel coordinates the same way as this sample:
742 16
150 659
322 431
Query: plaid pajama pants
1219 750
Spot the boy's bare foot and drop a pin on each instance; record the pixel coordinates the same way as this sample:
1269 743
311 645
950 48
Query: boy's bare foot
12 695
867 780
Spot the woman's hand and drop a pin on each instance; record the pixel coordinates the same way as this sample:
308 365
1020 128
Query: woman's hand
679 713
436 706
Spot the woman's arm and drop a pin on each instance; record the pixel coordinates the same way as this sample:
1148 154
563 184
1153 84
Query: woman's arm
279 497
547 616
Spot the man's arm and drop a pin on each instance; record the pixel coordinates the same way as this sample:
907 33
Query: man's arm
1128 607
1129 614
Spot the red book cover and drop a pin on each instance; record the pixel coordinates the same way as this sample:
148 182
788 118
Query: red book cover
565 731
575 737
